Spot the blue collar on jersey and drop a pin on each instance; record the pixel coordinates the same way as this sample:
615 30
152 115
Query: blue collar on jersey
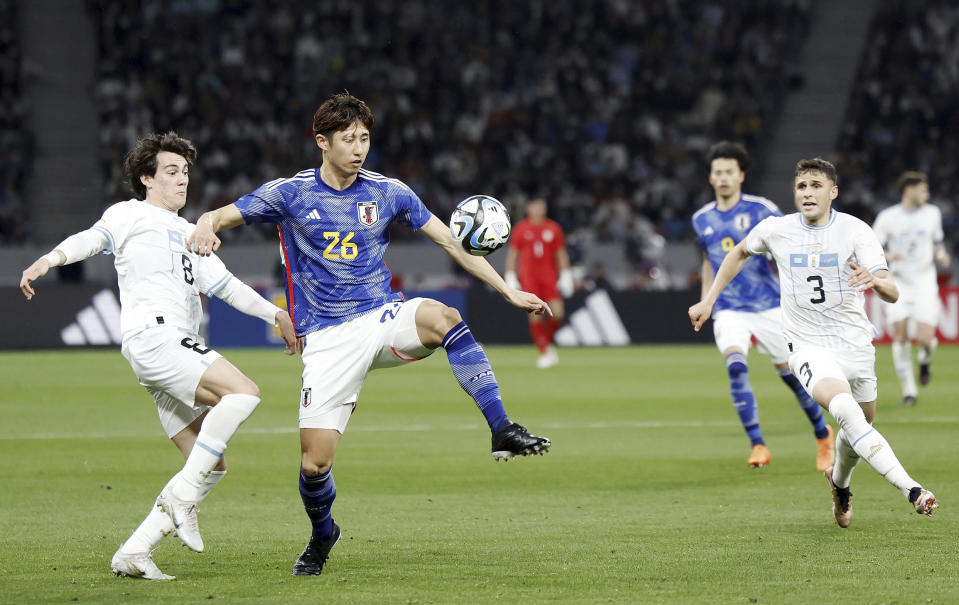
832 219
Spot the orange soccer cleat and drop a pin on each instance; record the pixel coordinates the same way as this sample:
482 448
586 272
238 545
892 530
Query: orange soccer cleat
760 456
825 450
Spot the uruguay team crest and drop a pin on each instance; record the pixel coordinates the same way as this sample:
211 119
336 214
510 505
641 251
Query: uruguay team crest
742 222
367 212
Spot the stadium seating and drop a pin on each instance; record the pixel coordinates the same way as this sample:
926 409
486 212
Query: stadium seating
607 110
15 148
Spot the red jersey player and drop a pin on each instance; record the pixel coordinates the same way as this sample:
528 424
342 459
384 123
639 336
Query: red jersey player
538 247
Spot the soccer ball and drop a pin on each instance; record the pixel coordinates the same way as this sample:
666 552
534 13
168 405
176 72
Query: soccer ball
480 224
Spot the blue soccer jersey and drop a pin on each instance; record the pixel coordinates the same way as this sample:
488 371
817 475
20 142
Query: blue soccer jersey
755 288
333 241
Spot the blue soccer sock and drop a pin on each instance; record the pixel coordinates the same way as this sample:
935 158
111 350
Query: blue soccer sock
808 404
472 370
743 399
318 493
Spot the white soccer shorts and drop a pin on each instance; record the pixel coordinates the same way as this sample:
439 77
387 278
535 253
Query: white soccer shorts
856 367
170 364
736 329
337 359
918 304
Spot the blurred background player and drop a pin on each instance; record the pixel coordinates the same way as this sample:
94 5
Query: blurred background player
911 232
201 397
537 262
828 259
749 306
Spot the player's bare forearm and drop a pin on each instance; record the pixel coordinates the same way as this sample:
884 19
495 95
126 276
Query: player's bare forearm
562 259
881 282
942 256
203 240
480 268
512 256
706 277
730 268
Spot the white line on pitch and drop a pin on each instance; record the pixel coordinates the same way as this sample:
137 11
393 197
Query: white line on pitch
415 428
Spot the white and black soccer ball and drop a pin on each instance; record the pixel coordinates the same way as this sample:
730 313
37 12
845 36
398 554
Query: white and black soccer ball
480 224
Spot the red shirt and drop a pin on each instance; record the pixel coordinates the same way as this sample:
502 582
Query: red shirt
537 246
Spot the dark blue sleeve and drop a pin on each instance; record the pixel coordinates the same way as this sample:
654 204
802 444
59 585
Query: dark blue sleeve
265 205
411 211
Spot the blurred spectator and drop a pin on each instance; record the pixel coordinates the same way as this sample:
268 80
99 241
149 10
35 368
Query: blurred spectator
605 107
15 147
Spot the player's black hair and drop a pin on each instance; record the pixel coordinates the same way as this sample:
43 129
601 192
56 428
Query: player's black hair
338 112
818 165
910 178
142 159
732 151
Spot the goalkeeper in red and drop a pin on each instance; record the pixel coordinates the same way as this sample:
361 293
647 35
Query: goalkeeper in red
538 249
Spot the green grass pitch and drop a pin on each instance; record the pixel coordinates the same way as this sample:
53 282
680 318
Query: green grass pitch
645 498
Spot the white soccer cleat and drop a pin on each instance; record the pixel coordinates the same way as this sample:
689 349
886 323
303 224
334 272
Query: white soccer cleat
548 359
137 565
183 514
925 503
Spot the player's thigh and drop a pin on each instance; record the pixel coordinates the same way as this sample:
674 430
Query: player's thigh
813 365
318 448
766 326
926 308
170 365
335 363
859 367
223 378
433 320
399 339
731 331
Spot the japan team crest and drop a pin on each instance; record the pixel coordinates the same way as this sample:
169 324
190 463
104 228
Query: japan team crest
742 222
367 212
306 397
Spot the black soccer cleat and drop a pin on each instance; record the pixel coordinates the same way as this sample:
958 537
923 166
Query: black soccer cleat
515 441
924 375
315 554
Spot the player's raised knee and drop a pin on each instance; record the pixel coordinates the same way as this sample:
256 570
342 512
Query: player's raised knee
312 467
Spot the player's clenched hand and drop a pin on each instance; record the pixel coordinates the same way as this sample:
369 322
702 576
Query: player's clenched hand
32 273
699 313
528 302
861 278
293 344
203 241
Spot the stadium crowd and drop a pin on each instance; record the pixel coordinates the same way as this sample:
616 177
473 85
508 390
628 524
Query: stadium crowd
903 113
15 147
608 111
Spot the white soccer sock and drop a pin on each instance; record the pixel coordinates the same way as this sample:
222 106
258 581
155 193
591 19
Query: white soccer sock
924 354
210 482
869 443
902 361
152 529
218 427
845 461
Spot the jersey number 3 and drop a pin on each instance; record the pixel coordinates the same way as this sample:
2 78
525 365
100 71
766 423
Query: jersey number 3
348 249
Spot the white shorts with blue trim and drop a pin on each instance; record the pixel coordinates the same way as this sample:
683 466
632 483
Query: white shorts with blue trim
736 329
170 364
337 359
856 367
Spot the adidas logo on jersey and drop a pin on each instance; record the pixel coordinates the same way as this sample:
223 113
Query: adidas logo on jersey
313 215
708 231
595 324
98 324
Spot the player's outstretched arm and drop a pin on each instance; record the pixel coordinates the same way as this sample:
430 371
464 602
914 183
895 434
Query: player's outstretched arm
203 240
75 248
478 266
38 269
880 281
732 265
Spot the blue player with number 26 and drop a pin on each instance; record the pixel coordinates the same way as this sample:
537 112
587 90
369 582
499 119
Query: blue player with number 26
333 223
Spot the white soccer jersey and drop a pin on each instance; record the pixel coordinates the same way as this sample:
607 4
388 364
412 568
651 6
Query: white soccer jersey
157 275
913 234
820 308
